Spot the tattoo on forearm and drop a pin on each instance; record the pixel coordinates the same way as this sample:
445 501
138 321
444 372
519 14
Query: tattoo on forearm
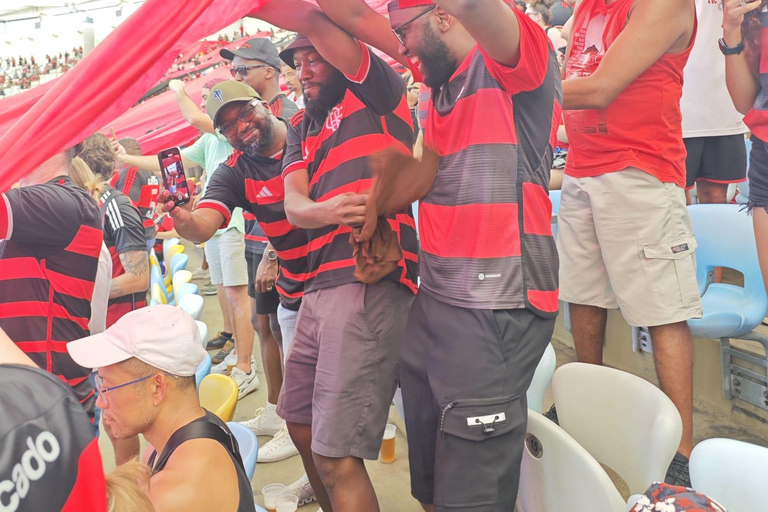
135 262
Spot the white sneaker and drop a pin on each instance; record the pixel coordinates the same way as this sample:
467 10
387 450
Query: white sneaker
302 489
266 422
246 382
279 448
201 274
220 368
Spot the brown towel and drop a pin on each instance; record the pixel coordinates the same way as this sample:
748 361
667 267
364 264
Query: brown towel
399 180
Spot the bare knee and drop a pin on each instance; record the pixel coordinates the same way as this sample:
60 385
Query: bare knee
332 469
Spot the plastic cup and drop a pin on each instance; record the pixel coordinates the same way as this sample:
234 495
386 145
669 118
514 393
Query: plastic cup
388 444
231 361
271 492
286 503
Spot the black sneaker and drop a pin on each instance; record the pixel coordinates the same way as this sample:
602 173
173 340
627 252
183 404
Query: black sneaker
551 415
228 347
219 341
678 473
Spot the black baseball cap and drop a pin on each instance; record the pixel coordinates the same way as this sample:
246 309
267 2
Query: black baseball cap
258 48
301 41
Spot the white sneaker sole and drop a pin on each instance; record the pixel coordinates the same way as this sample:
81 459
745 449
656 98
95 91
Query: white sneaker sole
249 388
277 458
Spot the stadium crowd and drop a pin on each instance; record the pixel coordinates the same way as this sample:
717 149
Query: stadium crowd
318 159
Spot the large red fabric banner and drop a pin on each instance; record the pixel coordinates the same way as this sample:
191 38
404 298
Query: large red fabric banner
108 80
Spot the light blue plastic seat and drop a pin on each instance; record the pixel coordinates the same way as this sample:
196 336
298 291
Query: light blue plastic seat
156 277
203 369
193 305
167 244
248 444
743 196
185 289
178 262
726 238
554 196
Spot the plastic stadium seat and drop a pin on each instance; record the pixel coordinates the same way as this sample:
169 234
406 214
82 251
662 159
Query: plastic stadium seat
158 294
193 305
154 302
725 237
203 328
167 244
248 444
557 474
541 379
625 422
733 473
178 262
203 370
218 394
184 289
554 197
156 278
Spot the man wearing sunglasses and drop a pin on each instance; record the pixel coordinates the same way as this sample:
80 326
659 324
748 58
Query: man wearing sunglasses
146 366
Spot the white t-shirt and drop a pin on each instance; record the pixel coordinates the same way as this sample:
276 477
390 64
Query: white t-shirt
707 107
100 299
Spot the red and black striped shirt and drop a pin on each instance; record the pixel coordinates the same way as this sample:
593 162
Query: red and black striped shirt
372 116
123 232
255 185
51 240
486 223
143 188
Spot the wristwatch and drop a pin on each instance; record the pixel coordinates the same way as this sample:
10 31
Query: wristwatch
727 50
271 255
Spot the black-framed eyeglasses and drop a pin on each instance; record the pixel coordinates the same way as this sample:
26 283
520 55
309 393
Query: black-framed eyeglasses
102 391
243 70
398 31
246 115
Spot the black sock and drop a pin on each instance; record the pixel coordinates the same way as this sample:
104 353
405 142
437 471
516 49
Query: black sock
226 334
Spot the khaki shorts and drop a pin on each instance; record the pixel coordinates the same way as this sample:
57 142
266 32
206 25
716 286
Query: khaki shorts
625 241
226 259
340 370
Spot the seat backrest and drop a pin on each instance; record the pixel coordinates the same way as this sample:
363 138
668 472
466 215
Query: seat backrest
158 294
156 276
203 370
541 379
184 289
248 444
733 473
557 474
218 394
178 262
181 277
726 238
203 329
193 305
625 422
167 244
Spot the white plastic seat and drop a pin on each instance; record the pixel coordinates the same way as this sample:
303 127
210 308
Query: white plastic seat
203 328
733 473
541 379
193 305
625 422
557 474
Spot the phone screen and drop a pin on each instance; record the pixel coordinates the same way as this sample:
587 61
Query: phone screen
174 178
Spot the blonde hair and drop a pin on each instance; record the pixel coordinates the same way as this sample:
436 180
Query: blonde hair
83 177
126 488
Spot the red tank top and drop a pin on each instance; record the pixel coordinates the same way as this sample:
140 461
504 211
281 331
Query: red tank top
643 126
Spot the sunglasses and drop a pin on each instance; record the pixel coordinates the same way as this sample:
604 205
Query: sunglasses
247 114
243 70
398 31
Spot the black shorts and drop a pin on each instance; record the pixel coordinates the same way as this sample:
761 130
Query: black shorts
267 302
464 375
721 159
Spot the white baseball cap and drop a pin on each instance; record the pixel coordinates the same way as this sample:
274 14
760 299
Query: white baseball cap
165 337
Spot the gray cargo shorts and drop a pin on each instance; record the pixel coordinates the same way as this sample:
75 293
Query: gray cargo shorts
340 372
464 375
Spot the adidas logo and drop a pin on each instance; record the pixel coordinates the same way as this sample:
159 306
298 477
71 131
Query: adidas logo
264 192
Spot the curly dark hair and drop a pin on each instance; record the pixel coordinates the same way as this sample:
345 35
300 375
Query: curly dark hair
751 29
97 153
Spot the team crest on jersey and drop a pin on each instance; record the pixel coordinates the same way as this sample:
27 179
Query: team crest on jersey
333 120
217 94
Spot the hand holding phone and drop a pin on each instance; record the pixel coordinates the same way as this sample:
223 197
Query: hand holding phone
174 178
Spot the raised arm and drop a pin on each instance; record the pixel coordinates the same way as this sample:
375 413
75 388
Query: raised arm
336 46
197 226
740 75
655 27
191 112
491 23
148 162
360 20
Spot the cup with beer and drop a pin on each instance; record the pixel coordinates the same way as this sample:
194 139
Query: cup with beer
388 444
286 503
271 492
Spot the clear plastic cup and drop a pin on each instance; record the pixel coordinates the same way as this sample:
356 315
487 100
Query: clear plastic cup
231 361
271 492
388 444
286 503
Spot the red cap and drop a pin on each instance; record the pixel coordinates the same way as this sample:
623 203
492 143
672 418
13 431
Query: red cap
405 4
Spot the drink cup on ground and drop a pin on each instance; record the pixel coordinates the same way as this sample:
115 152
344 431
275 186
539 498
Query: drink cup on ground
388 444
271 492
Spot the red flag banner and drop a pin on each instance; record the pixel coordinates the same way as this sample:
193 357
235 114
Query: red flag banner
107 81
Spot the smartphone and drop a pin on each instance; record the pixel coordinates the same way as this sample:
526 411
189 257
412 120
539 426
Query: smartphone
174 178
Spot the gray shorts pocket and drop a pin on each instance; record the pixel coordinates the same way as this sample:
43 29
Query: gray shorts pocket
479 449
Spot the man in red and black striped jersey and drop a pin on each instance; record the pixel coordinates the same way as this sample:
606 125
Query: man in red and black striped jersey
141 186
488 296
340 371
51 239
